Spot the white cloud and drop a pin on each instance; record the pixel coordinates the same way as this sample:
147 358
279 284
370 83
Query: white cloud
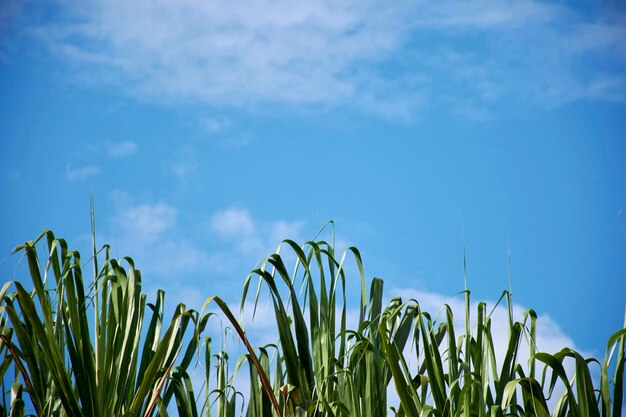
249 237
216 124
229 53
80 171
182 168
329 53
149 233
485 15
233 222
147 222
121 149
235 142
225 133
184 163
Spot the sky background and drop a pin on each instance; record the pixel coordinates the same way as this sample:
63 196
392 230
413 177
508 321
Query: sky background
209 131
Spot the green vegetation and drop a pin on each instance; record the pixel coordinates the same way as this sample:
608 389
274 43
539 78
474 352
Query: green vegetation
74 348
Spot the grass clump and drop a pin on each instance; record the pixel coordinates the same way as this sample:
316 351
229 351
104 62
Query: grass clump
95 349
71 348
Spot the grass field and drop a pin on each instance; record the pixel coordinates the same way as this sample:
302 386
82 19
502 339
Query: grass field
72 346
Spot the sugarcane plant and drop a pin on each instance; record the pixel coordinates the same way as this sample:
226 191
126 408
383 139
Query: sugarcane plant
96 349
72 348
325 368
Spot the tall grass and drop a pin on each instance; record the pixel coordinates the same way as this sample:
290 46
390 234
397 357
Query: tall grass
96 350
71 349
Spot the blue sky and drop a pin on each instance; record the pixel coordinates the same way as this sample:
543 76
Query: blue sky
209 131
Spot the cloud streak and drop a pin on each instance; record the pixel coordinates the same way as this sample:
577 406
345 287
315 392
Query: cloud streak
121 149
388 59
80 171
244 237
149 232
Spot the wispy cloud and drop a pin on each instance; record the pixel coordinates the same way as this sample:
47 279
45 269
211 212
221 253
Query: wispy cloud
235 142
476 54
147 222
485 15
233 223
250 237
121 149
78 171
149 232
216 124
184 163
223 131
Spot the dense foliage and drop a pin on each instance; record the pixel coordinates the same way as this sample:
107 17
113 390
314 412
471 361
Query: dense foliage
74 348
